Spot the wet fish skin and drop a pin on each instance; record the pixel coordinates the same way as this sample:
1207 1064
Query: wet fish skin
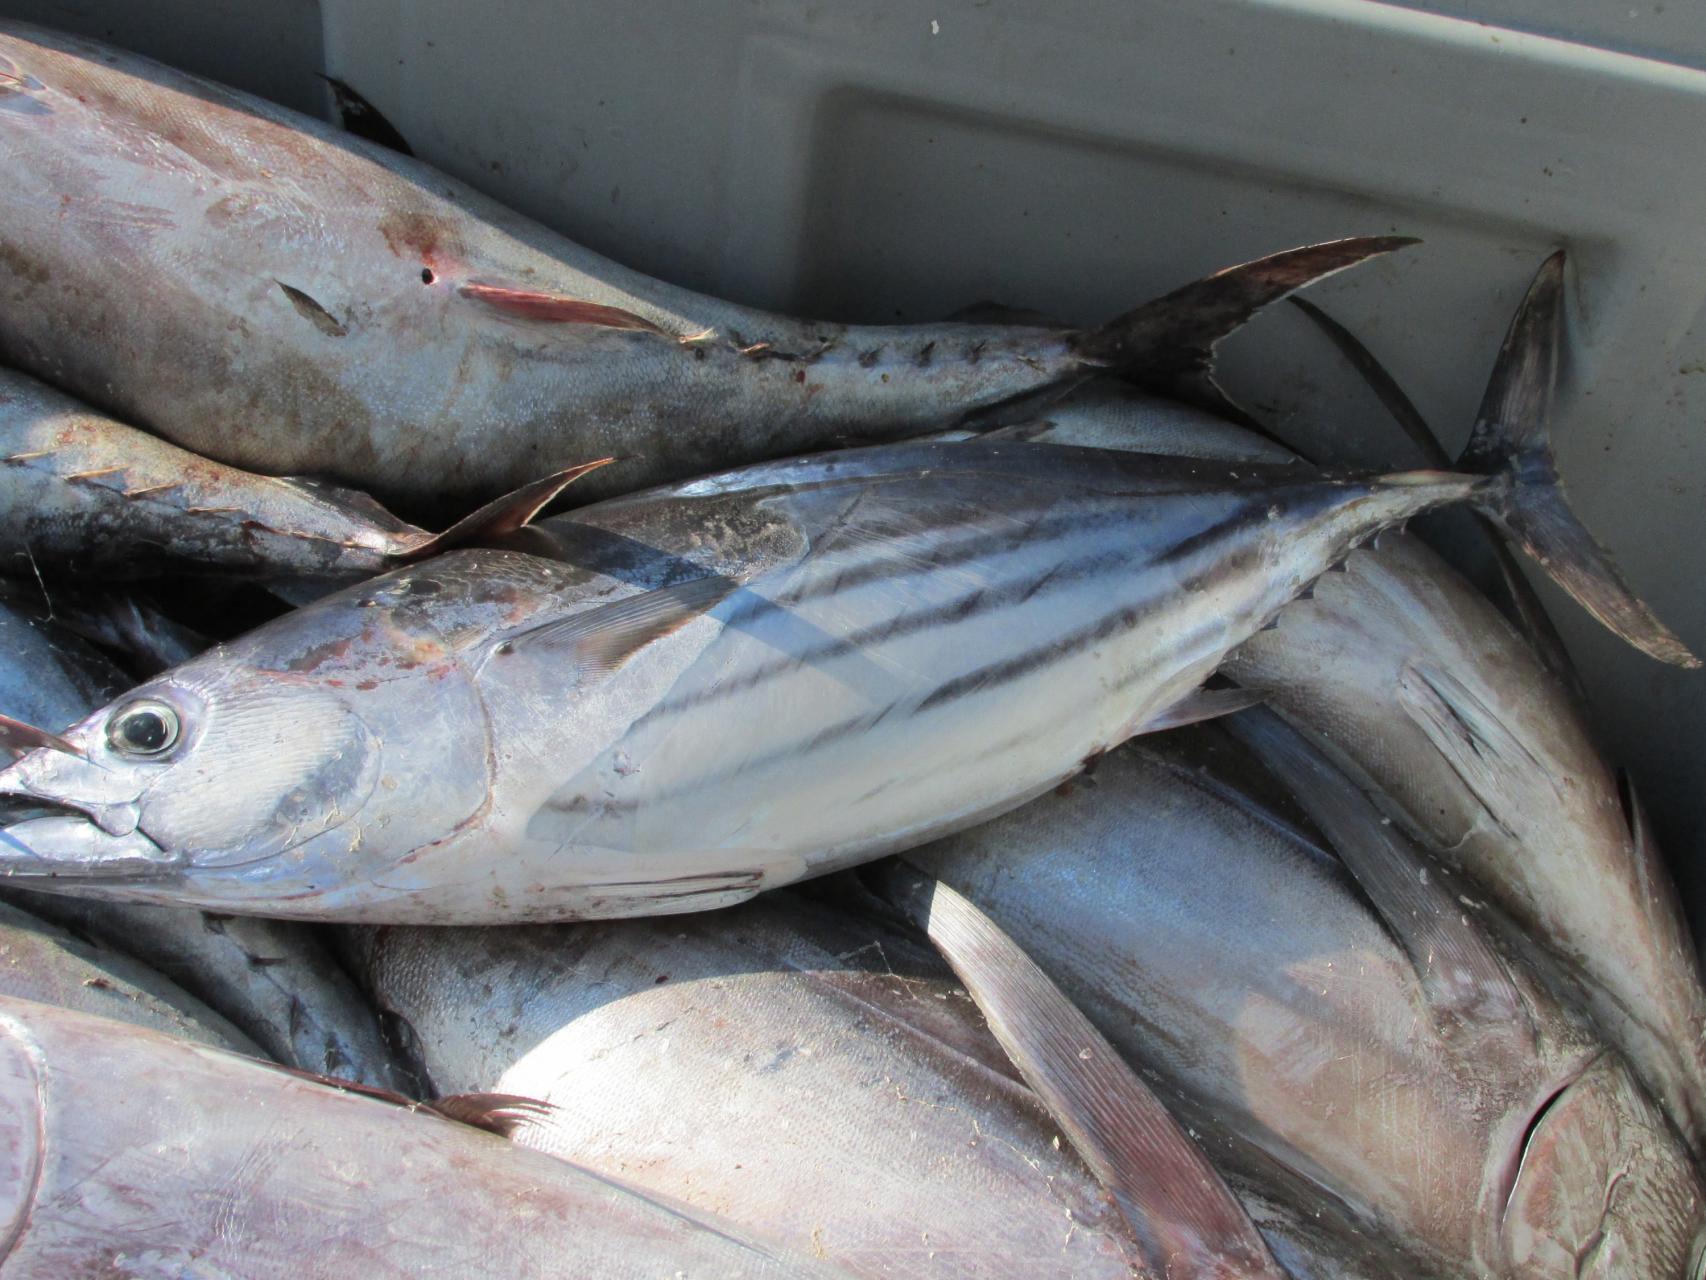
1271 994
275 979
920 637
274 1176
43 963
47 675
374 322
763 1062
1426 689
84 493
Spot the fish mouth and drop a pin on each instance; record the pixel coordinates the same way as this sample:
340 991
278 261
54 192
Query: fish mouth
52 840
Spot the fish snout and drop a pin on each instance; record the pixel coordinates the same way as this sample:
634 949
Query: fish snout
63 816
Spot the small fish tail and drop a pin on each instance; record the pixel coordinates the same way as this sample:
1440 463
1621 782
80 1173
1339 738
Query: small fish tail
1167 345
1521 493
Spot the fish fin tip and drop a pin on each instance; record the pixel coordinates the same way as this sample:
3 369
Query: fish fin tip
19 739
1203 704
1168 344
1182 1214
360 118
514 510
504 1114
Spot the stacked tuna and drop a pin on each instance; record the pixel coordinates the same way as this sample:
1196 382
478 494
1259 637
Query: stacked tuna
1377 974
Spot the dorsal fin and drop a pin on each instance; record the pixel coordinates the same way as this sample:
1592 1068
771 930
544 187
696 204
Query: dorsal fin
601 639
1186 1220
1461 971
555 308
502 515
361 118
500 1113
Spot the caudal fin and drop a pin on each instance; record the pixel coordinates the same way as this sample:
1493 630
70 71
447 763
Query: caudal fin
1510 444
1168 345
502 515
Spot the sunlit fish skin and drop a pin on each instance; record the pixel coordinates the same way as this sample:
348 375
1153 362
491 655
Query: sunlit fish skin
1245 967
718 687
1423 686
810 1075
41 962
132 1153
264 290
1425 689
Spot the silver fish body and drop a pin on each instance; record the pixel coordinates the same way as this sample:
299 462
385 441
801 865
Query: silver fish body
909 638
1242 965
133 1153
818 1078
275 979
255 286
81 492
1427 691
44 963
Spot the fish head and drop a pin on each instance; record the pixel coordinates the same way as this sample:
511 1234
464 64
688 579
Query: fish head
310 752
1604 1187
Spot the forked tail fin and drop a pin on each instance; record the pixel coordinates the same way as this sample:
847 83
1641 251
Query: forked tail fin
1167 345
1524 497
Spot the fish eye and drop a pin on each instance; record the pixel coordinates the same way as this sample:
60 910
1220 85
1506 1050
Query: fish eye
144 729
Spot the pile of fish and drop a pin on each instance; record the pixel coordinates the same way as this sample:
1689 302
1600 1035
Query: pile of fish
945 800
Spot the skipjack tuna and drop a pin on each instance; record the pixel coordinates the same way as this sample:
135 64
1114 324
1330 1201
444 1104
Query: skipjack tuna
258 287
734 683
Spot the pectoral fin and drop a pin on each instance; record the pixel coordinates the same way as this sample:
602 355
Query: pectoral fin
602 639
554 308
1186 1220
1463 974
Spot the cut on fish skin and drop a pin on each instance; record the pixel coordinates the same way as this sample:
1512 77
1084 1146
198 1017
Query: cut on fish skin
316 304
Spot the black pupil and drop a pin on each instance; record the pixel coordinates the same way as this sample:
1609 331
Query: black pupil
144 731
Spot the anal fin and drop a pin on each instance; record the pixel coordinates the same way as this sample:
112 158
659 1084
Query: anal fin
1203 704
